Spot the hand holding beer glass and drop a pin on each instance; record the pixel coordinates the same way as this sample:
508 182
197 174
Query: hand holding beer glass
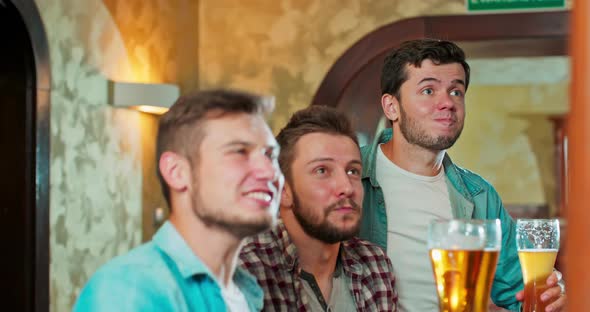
456 253
538 242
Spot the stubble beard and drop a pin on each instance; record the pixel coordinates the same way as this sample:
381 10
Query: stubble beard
416 135
236 225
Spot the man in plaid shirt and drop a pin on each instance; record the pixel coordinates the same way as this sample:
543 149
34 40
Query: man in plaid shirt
312 261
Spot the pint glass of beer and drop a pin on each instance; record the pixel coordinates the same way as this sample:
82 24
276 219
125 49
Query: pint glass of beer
456 253
491 252
538 242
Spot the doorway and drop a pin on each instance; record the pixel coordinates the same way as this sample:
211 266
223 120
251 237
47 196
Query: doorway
24 138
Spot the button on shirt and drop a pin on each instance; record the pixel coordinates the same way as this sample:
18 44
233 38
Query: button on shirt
162 275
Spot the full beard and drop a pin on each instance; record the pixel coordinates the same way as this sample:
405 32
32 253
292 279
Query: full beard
325 231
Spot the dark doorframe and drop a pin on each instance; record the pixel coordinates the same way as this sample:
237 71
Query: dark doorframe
25 106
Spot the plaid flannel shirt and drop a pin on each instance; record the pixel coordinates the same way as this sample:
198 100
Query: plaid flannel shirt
272 258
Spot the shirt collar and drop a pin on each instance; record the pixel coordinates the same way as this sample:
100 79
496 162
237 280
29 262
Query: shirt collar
170 242
370 159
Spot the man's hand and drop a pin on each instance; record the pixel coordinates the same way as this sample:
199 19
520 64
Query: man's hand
554 294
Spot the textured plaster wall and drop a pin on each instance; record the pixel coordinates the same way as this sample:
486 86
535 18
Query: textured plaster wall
161 39
102 158
95 152
285 47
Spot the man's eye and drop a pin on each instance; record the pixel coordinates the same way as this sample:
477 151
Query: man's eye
321 170
240 151
456 93
353 171
427 91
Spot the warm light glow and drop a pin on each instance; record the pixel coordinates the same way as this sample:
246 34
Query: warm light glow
150 109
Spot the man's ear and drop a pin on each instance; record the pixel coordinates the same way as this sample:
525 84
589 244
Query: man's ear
287 196
390 106
175 170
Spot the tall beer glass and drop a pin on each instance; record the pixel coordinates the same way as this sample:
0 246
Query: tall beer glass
538 242
493 245
456 253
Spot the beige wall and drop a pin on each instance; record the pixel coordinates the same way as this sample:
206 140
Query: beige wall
508 139
285 47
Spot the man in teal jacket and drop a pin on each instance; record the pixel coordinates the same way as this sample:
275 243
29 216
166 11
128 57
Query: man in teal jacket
409 180
218 166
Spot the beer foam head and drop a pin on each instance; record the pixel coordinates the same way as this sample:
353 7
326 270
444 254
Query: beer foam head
456 235
537 234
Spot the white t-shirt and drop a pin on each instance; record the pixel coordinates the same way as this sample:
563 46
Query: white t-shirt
234 298
412 201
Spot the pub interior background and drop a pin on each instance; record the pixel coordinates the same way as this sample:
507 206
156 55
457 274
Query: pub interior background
94 164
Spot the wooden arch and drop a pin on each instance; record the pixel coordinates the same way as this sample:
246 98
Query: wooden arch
487 35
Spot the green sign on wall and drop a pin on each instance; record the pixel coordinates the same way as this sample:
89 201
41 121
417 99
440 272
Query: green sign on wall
487 5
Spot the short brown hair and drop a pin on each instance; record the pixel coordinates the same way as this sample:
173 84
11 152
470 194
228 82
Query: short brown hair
180 130
312 119
414 52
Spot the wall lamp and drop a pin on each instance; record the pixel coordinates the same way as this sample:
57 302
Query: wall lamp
153 98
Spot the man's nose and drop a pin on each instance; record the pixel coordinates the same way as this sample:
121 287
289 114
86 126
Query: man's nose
266 168
446 101
344 186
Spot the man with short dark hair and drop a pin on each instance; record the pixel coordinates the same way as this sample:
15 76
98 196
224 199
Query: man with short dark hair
312 260
409 180
219 172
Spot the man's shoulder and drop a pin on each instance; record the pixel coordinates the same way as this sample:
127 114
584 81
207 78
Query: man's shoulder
140 263
473 180
260 249
141 276
364 250
374 263
143 255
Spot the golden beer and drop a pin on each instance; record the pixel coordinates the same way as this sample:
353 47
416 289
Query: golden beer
456 275
537 265
485 279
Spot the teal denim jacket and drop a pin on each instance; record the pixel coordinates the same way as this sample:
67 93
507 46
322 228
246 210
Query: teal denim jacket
471 197
162 275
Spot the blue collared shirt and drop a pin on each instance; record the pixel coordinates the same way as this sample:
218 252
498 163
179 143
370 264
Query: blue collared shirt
162 275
